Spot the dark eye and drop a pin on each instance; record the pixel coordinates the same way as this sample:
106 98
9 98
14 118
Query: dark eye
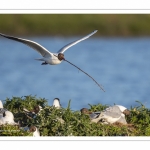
4 114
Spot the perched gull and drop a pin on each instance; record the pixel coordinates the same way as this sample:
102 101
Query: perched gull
48 57
110 115
2 109
33 113
56 103
1 104
114 114
8 118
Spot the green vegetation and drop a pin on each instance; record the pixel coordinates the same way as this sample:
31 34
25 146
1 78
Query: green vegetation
66 122
75 24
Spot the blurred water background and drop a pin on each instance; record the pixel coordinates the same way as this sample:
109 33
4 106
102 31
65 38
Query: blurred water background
121 65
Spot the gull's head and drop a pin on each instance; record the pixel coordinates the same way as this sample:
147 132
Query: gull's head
56 103
124 110
32 129
61 56
37 109
1 104
85 111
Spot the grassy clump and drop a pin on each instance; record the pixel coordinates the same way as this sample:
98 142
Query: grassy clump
65 122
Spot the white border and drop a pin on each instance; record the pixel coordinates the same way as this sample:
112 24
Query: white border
74 11
75 6
77 138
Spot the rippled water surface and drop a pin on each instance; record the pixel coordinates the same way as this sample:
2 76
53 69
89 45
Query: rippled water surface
121 65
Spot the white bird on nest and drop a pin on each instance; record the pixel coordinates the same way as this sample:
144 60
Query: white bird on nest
114 114
8 118
110 115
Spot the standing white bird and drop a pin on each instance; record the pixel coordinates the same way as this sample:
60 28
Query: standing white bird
49 57
56 103
1 104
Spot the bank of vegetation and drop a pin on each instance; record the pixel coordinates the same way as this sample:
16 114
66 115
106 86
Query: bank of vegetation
67 122
75 24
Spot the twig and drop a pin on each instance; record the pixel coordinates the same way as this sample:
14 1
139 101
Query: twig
83 72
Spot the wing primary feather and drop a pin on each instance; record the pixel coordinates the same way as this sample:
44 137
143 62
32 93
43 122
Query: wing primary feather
63 49
40 49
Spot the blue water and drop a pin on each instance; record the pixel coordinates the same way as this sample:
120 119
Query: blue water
121 65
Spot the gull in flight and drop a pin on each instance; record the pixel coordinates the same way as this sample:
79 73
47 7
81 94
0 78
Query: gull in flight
49 57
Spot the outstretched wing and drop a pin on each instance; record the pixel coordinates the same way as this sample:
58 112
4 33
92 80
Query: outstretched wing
43 51
63 49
